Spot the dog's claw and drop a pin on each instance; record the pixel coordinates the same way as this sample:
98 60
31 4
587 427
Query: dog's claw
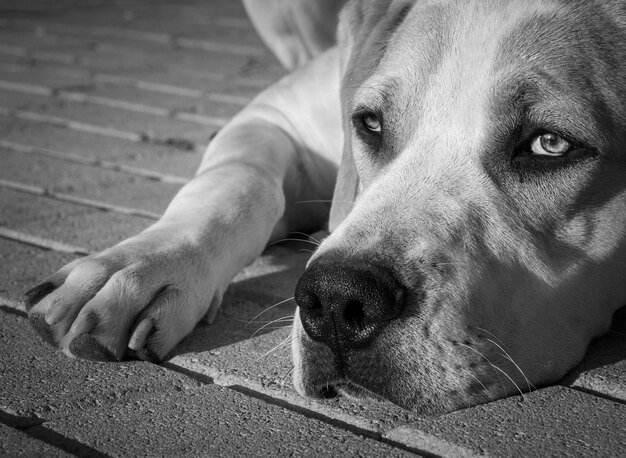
87 347
140 334
35 294
137 346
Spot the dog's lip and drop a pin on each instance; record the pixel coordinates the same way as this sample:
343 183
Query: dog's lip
344 387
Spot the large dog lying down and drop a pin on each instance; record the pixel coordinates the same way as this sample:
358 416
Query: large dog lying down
476 152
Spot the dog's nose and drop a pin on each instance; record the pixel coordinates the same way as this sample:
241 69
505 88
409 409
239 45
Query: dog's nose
344 304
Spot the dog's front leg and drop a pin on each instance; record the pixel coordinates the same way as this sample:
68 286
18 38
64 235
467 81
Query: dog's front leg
149 291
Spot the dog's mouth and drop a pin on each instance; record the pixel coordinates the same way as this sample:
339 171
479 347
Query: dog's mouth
345 388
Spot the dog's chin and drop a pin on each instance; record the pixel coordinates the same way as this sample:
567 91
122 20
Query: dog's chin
343 387
417 384
318 375
400 393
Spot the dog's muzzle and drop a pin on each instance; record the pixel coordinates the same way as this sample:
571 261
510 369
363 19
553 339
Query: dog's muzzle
345 303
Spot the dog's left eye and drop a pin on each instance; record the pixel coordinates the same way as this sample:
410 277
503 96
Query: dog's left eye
550 145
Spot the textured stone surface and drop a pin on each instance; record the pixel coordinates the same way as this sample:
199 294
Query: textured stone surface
86 182
40 382
23 266
554 421
14 443
212 421
151 157
156 128
243 83
43 78
66 222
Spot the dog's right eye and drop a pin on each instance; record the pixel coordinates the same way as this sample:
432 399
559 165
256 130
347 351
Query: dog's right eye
371 122
368 122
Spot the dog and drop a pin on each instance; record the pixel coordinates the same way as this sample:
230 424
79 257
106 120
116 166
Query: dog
474 154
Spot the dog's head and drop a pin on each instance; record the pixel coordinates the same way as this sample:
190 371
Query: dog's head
486 243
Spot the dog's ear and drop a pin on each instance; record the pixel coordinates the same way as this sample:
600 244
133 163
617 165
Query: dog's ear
365 27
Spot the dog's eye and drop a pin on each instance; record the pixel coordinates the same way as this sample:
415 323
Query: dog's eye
550 145
371 122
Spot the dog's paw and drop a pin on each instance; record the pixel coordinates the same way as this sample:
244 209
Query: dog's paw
139 298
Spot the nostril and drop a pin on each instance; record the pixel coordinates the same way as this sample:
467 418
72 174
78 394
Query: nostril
354 314
309 301
314 302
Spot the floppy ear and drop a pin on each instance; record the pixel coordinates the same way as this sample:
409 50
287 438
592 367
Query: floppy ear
364 29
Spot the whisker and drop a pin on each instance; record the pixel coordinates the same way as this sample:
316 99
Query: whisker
277 320
285 342
468 403
307 235
480 383
268 309
530 385
499 369
274 328
264 321
287 373
512 381
321 201
291 240
490 363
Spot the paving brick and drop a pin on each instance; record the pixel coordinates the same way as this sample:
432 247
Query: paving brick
73 87
245 84
43 78
159 73
164 101
156 28
80 39
23 266
212 421
87 182
27 39
603 370
65 222
40 382
119 53
184 18
111 58
14 443
157 128
159 158
555 421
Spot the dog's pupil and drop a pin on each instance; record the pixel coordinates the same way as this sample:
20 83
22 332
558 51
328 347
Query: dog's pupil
372 123
553 143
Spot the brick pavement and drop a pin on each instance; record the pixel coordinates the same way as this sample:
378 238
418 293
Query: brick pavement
105 107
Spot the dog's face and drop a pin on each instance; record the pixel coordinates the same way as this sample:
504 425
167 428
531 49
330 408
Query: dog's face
487 244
